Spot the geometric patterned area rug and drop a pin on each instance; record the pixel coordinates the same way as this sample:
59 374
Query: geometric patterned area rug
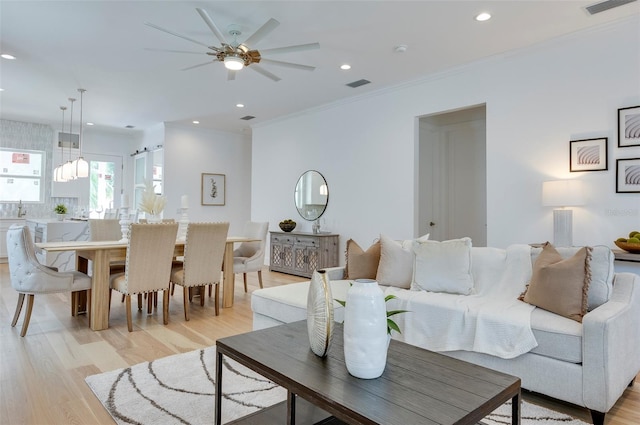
180 389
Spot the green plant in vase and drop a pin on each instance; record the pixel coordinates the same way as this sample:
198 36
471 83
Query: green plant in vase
391 325
60 209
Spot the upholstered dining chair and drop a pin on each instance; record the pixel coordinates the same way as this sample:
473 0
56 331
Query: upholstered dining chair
150 251
202 264
249 256
30 277
107 229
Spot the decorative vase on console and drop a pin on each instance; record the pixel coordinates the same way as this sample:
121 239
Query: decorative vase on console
320 313
365 330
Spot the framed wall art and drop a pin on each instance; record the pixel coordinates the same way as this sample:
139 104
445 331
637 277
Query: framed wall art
213 189
588 155
629 126
628 175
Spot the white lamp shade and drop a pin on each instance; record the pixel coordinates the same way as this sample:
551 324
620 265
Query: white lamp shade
233 63
57 175
80 168
562 193
67 171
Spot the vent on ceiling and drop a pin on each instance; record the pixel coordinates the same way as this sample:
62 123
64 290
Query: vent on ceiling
606 5
358 83
247 117
68 140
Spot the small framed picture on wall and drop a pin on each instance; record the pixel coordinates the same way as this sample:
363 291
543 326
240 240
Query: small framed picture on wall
213 189
629 126
628 175
588 155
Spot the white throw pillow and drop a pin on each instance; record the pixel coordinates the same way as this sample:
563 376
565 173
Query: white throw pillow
396 262
443 266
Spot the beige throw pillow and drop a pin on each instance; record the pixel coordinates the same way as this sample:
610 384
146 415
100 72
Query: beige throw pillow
443 266
396 263
560 285
362 264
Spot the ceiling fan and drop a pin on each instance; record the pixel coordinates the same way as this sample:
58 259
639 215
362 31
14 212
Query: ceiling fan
236 55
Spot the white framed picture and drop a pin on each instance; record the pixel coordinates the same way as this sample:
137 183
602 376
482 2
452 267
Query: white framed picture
213 189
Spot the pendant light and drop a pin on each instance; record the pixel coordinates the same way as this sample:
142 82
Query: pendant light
57 173
80 166
67 168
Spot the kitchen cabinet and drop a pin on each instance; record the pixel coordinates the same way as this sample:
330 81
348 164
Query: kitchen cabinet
302 253
5 223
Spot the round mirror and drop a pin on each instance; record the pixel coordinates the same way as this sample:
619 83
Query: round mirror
311 195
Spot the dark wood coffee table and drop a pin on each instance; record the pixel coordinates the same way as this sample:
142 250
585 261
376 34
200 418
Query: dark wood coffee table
417 386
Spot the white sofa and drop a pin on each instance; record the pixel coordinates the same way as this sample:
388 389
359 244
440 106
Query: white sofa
588 364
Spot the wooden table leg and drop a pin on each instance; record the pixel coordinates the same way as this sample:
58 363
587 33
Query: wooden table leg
99 289
228 278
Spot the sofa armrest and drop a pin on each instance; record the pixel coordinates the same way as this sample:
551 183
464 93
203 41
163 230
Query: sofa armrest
611 344
335 273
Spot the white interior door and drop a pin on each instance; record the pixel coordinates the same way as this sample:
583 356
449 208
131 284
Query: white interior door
452 177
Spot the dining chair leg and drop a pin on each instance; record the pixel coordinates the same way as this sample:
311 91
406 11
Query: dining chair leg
165 306
18 309
217 299
244 277
123 295
155 300
185 297
173 288
210 286
150 303
89 305
127 303
27 315
75 299
203 291
139 302
260 278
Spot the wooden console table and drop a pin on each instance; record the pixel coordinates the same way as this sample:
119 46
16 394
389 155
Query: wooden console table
417 386
302 253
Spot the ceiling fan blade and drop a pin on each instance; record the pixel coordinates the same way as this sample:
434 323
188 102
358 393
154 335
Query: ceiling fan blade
149 24
288 64
152 49
197 66
264 72
261 32
289 49
231 75
212 26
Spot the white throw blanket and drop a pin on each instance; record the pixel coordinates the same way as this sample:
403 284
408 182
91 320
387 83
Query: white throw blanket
492 320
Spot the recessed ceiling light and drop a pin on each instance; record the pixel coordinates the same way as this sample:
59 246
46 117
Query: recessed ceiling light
90 123
7 56
1 89
195 122
345 66
484 16
239 105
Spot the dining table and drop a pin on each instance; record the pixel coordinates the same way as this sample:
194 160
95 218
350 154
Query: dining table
102 253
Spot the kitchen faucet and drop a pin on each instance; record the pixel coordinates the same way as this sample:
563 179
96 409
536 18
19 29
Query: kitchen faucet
22 211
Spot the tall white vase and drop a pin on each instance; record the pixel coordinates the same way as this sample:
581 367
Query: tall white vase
365 330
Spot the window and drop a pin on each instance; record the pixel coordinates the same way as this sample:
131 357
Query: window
21 175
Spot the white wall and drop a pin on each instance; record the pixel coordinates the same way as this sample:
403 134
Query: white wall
188 152
537 101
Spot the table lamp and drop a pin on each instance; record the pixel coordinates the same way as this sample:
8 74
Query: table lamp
562 193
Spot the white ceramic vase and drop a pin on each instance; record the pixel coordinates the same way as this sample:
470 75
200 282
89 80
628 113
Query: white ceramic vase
365 330
154 218
320 313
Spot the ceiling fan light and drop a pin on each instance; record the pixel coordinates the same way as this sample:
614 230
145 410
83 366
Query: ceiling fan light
233 62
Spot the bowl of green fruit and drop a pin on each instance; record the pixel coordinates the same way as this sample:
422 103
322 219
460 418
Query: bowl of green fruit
630 244
287 225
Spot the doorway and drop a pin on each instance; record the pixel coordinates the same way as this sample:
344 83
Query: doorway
451 175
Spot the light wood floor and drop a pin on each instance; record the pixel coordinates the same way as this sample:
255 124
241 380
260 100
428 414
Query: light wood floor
42 375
